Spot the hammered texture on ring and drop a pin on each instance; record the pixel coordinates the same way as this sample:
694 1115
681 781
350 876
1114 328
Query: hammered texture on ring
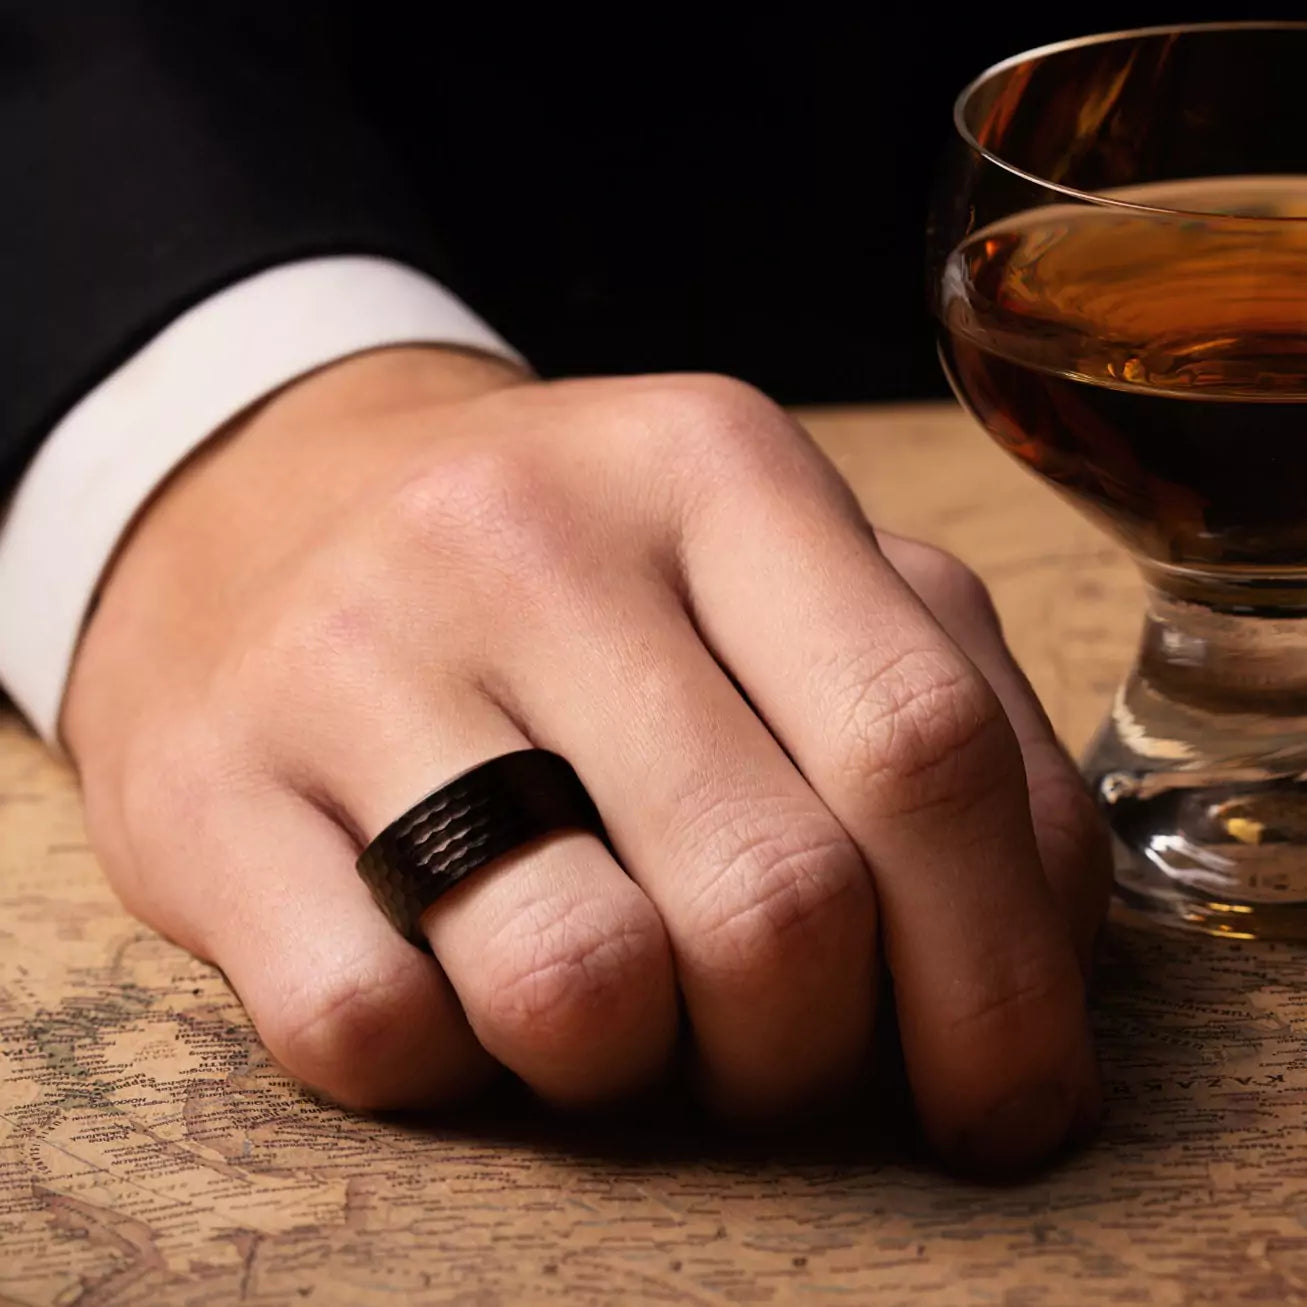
479 816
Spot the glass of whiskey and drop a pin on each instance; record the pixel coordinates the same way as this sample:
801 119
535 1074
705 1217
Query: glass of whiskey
1118 259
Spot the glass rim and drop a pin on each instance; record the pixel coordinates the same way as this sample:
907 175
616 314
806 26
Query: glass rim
1105 38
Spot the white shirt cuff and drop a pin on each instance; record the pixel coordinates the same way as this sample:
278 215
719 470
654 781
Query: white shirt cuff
108 454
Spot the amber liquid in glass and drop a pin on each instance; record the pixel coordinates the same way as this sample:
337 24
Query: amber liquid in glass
1152 367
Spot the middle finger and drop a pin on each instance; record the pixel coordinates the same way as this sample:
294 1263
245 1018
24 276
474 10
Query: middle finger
767 903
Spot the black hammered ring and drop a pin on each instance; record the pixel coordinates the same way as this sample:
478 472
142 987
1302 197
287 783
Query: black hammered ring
477 817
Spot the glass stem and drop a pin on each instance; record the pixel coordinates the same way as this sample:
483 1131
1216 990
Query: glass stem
1228 659
1201 766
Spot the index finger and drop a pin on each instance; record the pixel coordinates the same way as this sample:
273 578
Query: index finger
909 747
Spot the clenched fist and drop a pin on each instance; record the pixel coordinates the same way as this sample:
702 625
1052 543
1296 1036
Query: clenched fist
809 745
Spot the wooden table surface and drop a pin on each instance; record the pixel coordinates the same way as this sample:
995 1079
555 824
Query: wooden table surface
151 1155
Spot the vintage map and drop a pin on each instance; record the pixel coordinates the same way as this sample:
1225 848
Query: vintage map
151 1155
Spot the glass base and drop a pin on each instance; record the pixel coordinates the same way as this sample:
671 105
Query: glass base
1147 895
1203 777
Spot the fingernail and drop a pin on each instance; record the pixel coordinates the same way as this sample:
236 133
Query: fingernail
1019 1134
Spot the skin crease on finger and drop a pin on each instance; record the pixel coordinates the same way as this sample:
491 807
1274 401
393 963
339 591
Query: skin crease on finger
189 623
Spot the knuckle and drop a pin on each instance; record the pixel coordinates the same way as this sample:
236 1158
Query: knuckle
572 977
334 634
720 446
782 896
945 582
718 416
333 1033
926 731
707 397
498 498
330 643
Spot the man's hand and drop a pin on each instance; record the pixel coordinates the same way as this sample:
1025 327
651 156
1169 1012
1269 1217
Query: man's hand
807 746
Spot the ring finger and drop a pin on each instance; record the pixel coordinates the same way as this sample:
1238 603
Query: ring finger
559 960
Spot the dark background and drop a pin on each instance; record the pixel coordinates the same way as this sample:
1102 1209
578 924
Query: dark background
640 189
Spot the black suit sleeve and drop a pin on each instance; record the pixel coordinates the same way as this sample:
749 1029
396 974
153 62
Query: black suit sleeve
155 151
